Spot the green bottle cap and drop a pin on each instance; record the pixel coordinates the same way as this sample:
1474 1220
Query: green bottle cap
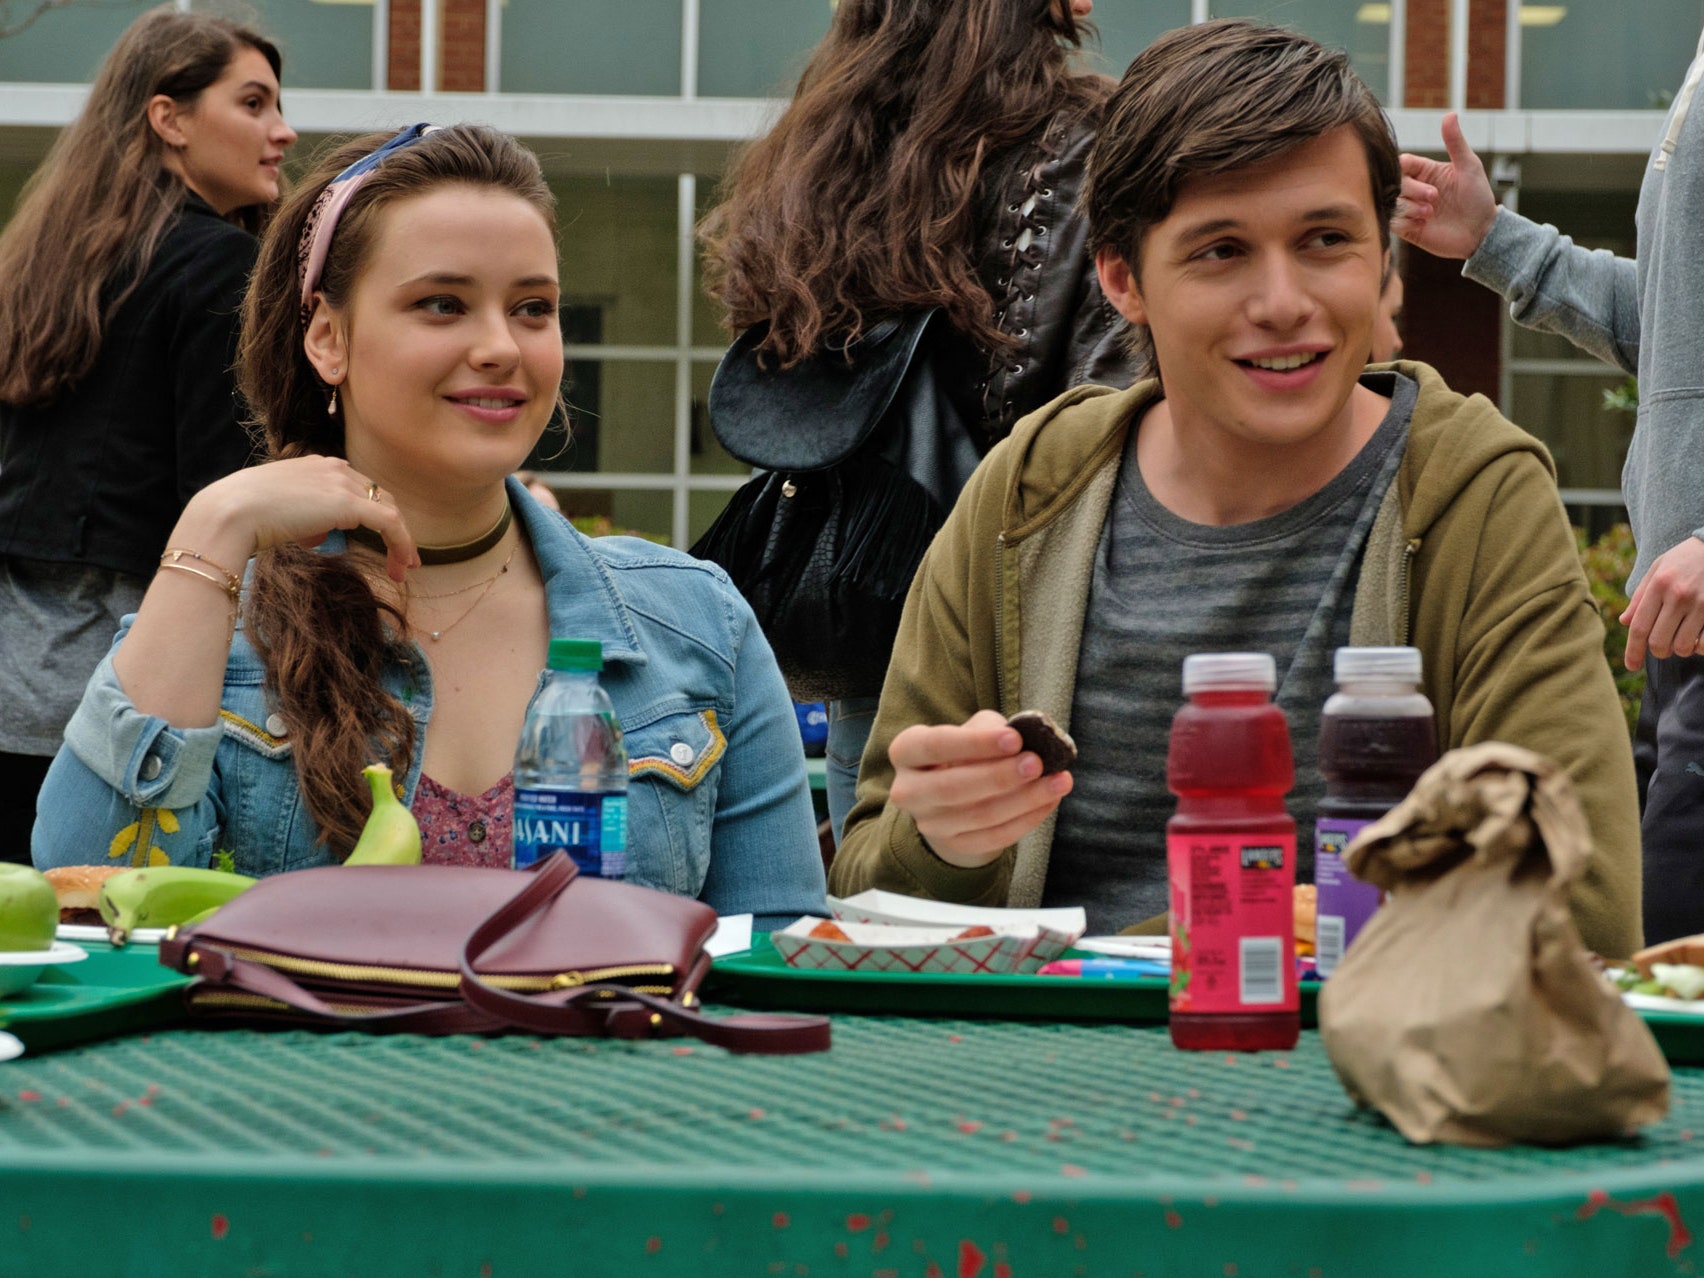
576 654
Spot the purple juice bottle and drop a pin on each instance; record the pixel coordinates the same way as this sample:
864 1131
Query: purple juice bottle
1376 736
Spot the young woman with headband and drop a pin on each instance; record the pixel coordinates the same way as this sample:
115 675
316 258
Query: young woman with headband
402 352
120 278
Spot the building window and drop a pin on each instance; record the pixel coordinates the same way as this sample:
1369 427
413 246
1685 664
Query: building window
756 48
326 44
1362 30
581 47
64 45
1555 390
1606 56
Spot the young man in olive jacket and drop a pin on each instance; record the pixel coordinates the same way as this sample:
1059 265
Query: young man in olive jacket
1267 492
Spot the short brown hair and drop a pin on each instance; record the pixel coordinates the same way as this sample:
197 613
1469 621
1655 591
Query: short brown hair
1217 97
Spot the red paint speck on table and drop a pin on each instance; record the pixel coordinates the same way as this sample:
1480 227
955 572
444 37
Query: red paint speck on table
970 1259
221 1225
1664 1205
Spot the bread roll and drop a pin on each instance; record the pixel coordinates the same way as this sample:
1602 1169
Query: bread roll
79 890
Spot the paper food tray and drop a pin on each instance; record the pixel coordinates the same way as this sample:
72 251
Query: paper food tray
1059 928
879 947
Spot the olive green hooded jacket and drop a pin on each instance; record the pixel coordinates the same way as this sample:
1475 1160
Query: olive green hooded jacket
1470 559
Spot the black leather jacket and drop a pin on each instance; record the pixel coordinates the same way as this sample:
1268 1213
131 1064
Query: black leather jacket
1034 260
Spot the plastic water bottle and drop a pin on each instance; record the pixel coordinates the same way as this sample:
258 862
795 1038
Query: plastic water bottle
1376 736
571 768
1231 859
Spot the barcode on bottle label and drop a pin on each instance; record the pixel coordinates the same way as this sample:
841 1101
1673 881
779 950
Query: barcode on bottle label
1328 946
1259 969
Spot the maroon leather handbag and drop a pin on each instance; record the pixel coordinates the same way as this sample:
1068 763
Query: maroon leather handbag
439 949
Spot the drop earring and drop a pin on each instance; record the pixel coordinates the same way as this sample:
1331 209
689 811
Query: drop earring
331 404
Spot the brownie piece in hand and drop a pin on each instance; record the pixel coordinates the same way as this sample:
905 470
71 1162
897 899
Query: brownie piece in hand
1051 743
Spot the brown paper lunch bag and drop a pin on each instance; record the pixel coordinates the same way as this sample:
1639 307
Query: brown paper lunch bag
1468 1010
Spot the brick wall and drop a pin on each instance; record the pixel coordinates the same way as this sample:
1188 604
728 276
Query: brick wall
1426 66
1451 323
403 72
461 46
461 65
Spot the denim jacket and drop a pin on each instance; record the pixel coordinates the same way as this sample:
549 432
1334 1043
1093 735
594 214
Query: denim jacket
718 804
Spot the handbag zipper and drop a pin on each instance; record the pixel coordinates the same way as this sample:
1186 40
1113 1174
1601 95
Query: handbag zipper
451 980
260 1003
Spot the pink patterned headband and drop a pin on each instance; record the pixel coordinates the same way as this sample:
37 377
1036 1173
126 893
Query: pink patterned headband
317 231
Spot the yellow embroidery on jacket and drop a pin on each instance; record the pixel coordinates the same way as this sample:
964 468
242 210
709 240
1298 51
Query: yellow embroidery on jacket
704 762
139 837
236 720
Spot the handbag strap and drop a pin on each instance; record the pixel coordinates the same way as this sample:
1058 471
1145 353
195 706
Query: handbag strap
615 1009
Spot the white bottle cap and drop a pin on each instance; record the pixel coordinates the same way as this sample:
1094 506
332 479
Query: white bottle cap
1204 671
1395 665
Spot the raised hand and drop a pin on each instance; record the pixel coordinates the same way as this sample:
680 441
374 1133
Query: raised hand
972 788
1446 208
298 500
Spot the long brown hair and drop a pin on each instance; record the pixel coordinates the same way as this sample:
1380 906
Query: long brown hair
94 213
861 200
323 636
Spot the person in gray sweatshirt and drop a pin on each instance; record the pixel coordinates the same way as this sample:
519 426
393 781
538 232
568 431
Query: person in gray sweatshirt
1641 315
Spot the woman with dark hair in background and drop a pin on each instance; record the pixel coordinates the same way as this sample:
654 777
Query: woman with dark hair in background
121 275
931 157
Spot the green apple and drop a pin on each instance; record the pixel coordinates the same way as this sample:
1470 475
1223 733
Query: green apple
29 909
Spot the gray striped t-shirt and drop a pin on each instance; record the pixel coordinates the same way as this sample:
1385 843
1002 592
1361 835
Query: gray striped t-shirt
1163 588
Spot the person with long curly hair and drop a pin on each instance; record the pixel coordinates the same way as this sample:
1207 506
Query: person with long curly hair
121 274
930 157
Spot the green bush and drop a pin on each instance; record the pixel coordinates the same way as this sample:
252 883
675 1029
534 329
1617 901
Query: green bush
1607 562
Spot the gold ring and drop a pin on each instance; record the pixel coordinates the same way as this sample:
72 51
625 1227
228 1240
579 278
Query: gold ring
372 491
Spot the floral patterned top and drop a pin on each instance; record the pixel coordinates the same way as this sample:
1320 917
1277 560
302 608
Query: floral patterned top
462 829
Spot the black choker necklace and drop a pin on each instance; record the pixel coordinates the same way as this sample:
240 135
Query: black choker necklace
444 554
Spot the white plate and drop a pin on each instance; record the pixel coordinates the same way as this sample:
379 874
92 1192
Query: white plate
11 1046
1662 1003
891 907
1154 947
98 932
19 968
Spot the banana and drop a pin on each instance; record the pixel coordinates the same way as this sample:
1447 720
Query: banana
160 896
391 835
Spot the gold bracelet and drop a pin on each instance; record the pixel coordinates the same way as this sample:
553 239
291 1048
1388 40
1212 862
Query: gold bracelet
231 583
232 588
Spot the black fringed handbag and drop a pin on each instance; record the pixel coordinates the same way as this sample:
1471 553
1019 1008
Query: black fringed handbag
865 455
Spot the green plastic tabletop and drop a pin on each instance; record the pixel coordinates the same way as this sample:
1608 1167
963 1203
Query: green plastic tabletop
969 1148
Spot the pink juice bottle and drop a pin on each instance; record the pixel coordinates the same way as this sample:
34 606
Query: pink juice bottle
1231 860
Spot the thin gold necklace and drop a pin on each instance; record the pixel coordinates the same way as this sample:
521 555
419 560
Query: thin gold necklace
436 635
483 581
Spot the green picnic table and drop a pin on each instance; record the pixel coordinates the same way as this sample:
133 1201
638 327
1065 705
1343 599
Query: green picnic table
934 1147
